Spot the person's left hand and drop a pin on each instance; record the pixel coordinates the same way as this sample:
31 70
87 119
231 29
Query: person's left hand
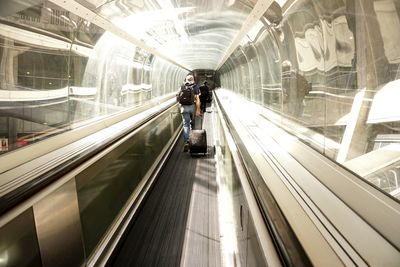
198 113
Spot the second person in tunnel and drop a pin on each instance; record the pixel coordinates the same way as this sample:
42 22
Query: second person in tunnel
204 96
189 100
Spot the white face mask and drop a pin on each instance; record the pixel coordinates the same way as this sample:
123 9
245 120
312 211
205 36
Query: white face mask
189 80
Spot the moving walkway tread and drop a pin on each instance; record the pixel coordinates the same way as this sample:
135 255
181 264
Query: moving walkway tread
177 225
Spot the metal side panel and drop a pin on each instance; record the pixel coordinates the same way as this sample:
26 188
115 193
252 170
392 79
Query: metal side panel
58 227
18 242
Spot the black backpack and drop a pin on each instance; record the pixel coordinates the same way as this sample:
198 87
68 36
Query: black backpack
204 92
186 95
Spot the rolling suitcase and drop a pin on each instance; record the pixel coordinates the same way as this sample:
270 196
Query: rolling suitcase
198 142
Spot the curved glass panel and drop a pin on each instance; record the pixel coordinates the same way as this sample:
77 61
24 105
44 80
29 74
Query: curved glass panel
195 34
58 70
331 69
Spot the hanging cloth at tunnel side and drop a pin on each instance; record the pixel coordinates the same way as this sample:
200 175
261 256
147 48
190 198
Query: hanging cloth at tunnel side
186 95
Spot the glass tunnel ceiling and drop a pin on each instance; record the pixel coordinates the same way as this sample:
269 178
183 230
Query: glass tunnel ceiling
195 34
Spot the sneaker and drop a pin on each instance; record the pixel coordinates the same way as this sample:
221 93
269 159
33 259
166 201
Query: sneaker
186 147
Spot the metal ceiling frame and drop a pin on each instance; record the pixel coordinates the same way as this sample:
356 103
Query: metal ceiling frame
258 11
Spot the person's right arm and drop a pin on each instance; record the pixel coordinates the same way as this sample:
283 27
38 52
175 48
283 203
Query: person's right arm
198 114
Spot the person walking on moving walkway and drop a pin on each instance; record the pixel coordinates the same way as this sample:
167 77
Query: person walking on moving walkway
204 96
188 97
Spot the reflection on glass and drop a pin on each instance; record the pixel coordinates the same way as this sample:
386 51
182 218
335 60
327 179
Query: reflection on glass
57 69
388 179
333 67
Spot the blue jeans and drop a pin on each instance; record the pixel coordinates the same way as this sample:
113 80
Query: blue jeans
188 117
